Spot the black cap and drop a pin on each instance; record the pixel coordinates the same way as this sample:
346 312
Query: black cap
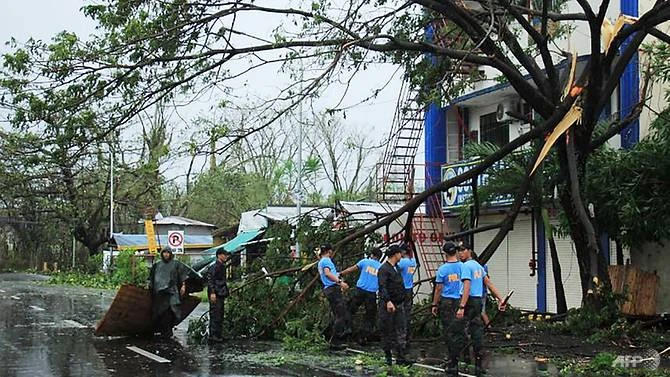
324 247
450 248
392 250
222 251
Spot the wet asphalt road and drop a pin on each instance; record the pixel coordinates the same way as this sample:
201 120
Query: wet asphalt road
47 330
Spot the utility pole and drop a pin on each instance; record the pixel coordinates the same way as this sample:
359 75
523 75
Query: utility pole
106 265
111 192
299 193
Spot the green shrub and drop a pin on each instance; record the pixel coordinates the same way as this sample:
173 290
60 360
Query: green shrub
98 280
129 269
251 310
588 320
93 264
299 336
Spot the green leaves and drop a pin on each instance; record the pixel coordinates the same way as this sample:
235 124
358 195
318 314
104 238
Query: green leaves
629 188
17 62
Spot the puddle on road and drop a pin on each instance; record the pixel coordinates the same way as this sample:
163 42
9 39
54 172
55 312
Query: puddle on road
49 342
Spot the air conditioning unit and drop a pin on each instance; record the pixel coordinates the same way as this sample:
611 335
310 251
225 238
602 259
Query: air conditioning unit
501 112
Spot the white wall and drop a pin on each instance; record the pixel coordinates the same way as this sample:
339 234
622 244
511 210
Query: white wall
655 257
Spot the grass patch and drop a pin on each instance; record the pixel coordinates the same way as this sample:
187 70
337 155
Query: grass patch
82 279
603 365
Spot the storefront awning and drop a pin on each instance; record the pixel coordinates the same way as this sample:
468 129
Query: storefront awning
237 244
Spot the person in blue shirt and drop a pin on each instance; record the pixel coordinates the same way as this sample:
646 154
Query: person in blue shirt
407 267
485 317
446 297
333 286
366 292
475 281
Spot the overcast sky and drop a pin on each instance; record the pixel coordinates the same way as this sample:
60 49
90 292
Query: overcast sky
41 19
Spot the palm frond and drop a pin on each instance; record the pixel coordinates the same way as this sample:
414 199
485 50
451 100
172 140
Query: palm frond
472 150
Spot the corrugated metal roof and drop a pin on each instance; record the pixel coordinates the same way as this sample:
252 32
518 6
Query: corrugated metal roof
139 241
364 211
179 220
258 219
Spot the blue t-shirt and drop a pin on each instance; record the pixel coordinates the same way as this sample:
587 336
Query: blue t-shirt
368 281
407 266
323 264
449 274
474 272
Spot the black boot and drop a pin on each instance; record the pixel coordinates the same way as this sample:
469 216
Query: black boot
336 344
389 357
402 357
479 368
452 368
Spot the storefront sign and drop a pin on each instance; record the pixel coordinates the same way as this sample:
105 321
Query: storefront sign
459 196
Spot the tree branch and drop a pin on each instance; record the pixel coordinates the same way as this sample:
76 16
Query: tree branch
417 200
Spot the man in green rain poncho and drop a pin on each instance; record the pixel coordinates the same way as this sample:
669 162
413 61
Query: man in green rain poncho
167 284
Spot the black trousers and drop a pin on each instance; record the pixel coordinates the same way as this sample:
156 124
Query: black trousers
454 328
369 302
409 298
392 328
216 312
473 319
339 309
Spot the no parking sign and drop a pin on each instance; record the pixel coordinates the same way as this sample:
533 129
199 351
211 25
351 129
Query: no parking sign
176 240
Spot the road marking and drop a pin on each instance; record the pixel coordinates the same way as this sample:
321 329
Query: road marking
147 354
74 324
1 291
16 297
36 308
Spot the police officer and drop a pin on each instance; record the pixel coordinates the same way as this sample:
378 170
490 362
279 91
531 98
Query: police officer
447 297
217 290
333 286
366 292
407 267
391 307
474 281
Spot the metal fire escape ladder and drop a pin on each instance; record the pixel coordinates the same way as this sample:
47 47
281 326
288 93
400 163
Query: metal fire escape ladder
395 173
396 170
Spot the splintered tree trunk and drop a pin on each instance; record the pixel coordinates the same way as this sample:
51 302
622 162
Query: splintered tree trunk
561 303
592 265
585 258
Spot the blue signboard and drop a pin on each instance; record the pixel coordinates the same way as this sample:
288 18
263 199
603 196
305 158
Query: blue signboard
458 196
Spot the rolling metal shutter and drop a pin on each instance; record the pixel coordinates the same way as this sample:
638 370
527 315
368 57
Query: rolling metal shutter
509 265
